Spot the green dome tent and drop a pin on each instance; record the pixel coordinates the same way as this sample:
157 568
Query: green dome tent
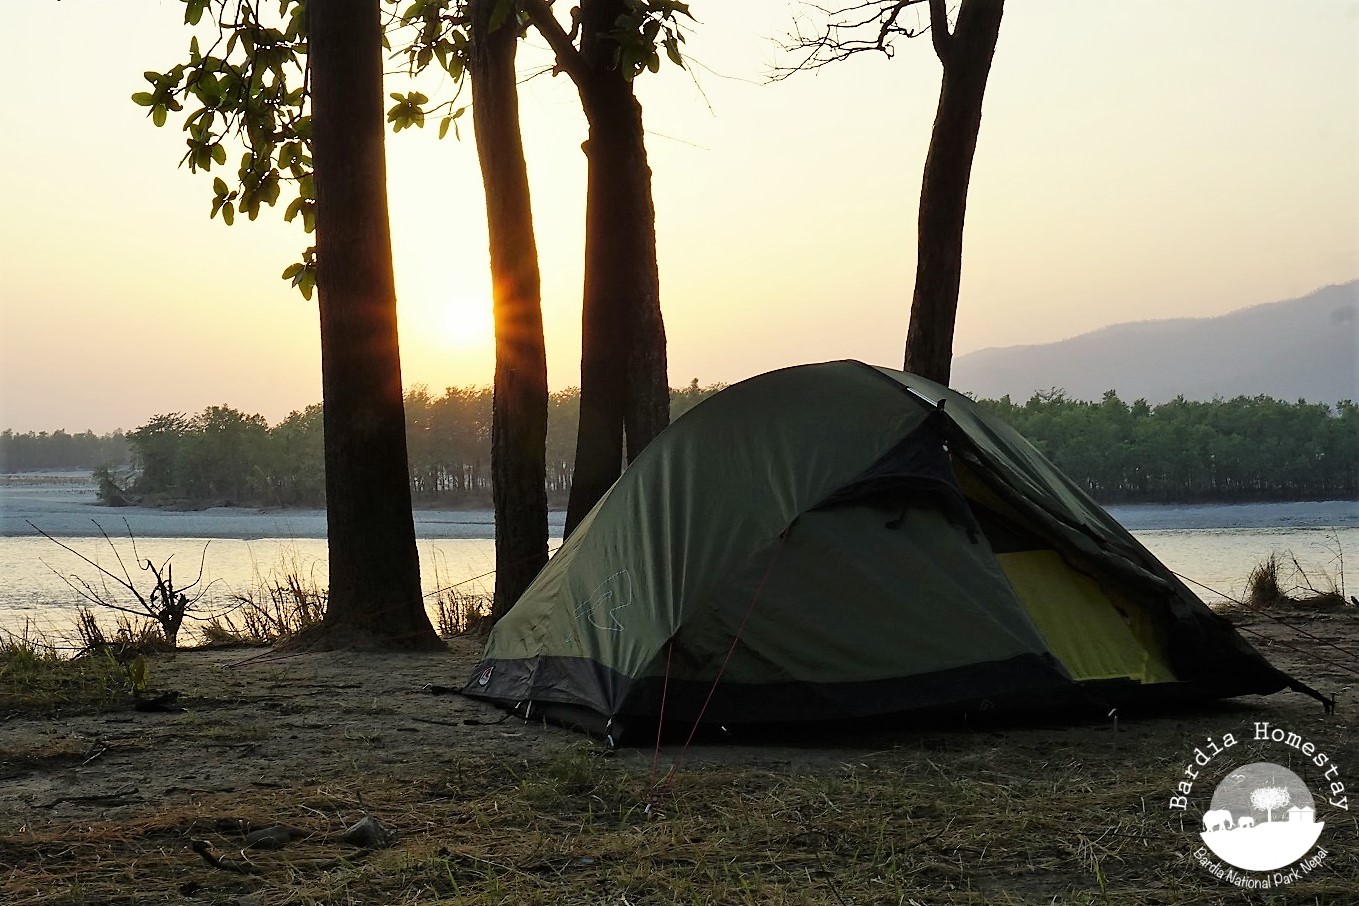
840 541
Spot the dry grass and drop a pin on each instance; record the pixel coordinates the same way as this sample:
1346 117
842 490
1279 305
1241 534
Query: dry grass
278 605
459 608
1280 581
911 828
461 613
130 637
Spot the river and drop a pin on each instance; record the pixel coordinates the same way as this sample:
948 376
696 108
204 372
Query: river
1216 546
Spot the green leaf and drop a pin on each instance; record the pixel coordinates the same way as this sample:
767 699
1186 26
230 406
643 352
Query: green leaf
219 185
158 114
444 124
499 13
138 674
672 51
143 98
228 214
293 270
219 155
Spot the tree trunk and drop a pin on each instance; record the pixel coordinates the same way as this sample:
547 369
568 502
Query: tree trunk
624 388
519 407
966 56
375 598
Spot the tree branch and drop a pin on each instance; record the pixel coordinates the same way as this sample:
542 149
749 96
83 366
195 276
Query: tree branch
939 33
840 38
568 56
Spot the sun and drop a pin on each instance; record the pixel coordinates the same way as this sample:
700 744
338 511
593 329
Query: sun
466 323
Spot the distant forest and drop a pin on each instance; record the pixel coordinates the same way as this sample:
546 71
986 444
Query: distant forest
60 451
1244 449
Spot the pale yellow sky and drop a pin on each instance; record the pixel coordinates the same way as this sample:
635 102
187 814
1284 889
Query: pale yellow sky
1137 160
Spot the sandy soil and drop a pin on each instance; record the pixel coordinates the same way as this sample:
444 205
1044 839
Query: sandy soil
251 719
257 723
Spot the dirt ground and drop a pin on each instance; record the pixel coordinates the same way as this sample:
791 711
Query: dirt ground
106 807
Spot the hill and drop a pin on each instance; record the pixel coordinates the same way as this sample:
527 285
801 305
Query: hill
1300 348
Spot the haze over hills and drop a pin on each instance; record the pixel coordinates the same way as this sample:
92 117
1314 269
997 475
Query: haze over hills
1305 348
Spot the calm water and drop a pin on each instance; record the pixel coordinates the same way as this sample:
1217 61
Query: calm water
1213 545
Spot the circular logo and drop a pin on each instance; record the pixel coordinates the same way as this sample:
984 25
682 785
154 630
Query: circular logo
1259 828
1262 817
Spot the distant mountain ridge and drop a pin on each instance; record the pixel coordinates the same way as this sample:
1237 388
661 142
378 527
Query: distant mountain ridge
1306 348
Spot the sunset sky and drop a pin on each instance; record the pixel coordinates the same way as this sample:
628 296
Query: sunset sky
1136 161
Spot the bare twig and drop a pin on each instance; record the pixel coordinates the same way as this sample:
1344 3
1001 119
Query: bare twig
872 25
167 605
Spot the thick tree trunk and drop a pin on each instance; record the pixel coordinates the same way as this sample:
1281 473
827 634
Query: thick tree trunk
519 409
966 56
375 598
624 383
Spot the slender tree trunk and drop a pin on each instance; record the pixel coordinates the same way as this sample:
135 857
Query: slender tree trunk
519 408
966 56
624 387
375 598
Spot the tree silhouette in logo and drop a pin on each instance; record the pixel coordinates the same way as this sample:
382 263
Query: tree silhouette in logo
1268 798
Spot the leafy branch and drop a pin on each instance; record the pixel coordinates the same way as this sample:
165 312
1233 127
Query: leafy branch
647 28
249 88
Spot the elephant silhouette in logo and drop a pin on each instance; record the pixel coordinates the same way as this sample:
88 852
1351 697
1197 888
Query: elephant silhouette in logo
1245 821
1217 819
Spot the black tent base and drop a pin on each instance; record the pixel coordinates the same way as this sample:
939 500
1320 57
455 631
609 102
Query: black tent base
1108 702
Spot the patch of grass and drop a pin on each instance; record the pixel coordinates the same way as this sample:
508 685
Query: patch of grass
579 828
1281 581
279 605
456 609
38 678
460 613
130 638
1262 585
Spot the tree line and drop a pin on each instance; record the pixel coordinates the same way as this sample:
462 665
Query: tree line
1243 449
223 456
60 450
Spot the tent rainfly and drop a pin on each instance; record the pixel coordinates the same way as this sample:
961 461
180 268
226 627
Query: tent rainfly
840 541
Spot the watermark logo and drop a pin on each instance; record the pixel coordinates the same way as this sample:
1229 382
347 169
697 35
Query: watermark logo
1262 818
1261 821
